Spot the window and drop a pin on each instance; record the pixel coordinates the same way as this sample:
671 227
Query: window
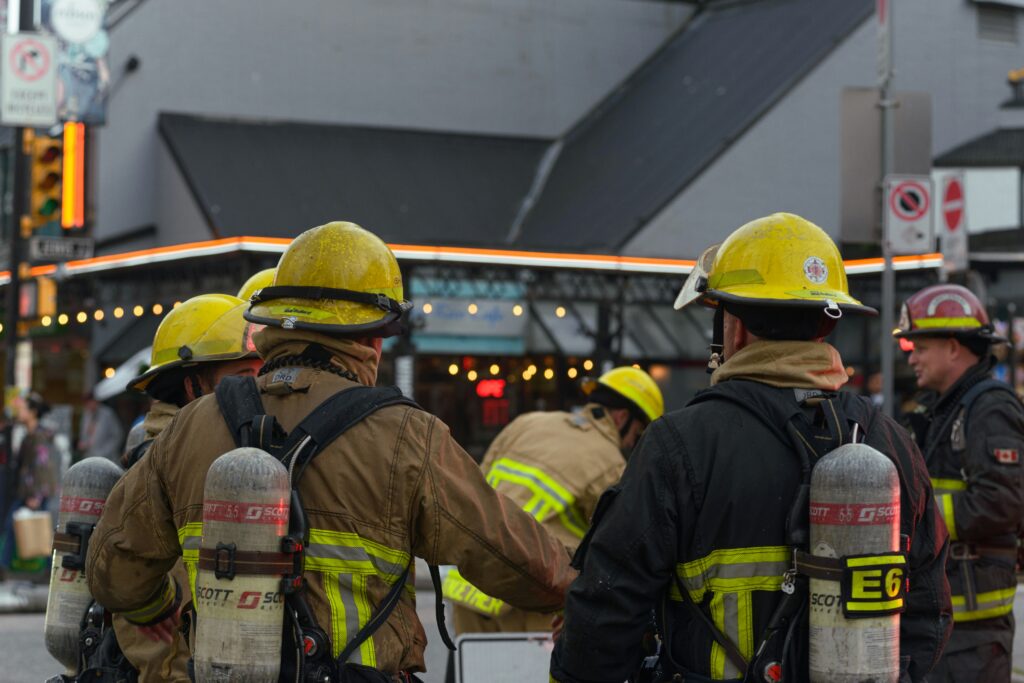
998 23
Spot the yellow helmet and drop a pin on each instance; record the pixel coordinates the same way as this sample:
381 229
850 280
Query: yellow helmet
336 278
262 279
633 384
781 259
206 328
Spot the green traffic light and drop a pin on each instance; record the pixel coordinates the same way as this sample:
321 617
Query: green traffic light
49 207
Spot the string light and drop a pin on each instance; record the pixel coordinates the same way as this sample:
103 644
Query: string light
572 373
495 369
588 365
176 304
157 309
517 310
453 369
428 308
532 369
472 308
1 327
527 375
549 374
82 316
98 314
138 311
46 320
109 372
471 375
118 312
62 319
560 311
637 366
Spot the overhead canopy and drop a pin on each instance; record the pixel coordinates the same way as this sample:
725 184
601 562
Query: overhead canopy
1002 147
275 180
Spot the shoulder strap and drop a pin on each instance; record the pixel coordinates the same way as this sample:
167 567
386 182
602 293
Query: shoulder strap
239 402
136 453
985 385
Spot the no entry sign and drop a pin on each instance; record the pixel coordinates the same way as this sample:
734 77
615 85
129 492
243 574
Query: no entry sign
908 214
954 223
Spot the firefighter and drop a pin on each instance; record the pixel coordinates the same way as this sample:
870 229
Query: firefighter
556 465
396 485
262 279
701 529
971 431
197 343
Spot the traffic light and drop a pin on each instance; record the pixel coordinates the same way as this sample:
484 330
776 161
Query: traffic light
46 189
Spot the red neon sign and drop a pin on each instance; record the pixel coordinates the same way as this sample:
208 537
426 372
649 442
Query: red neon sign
490 388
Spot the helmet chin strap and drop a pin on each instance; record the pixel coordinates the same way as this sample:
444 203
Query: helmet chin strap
717 340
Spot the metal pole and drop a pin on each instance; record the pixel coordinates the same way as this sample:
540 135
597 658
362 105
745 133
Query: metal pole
26 22
884 7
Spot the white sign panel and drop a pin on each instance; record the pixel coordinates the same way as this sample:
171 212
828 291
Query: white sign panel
503 657
908 214
76 21
953 223
28 85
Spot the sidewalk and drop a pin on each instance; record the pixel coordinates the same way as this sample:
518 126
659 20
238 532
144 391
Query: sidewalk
22 596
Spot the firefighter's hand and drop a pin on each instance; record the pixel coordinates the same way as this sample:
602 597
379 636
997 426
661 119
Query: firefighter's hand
556 627
163 631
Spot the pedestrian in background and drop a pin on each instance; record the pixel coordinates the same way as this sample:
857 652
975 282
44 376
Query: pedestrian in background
970 428
100 433
38 474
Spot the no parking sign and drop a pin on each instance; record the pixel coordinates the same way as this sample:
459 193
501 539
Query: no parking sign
908 214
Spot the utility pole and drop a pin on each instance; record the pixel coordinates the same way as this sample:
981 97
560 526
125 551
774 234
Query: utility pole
883 9
22 172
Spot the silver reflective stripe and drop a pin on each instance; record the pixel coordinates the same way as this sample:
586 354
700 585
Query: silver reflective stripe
348 601
731 628
330 551
556 497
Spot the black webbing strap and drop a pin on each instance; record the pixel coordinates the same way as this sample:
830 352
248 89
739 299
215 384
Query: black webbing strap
378 619
442 627
239 402
824 568
730 648
381 301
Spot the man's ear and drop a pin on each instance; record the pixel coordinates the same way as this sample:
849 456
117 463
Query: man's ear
740 335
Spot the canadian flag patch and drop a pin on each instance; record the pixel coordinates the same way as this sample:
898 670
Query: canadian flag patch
1007 456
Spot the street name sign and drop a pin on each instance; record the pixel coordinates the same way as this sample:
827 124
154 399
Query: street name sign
54 249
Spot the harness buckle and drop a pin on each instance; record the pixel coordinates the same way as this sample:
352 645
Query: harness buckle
962 551
225 553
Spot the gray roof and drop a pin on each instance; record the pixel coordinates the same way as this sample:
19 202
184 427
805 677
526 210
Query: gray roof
1002 147
275 180
679 112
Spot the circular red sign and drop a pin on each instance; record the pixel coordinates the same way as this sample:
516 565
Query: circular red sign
908 200
953 204
30 59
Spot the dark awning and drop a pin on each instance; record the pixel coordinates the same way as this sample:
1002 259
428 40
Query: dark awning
1002 147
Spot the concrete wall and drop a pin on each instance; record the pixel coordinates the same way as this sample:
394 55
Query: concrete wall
515 67
791 161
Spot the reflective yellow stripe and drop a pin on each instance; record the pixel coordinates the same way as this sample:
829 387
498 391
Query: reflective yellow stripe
458 590
946 508
947 322
875 559
717 664
949 485
854 606
190 538
332 589
990 604
549 498
155 607
363 608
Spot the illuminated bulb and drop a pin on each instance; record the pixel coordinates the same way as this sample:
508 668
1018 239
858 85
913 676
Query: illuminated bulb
98 314
495 369
517 310
572 373
532 369
1 328
588 364
636 365
428 309
549 373
472 308
527 375
471 375
176 304
63 319
138 311
46 320
560 311
108 373
118 312
157 309
453 369
81 317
